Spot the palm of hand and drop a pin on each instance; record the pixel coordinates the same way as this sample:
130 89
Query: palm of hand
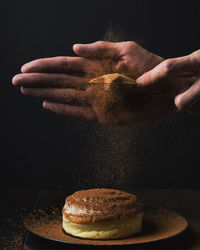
131 59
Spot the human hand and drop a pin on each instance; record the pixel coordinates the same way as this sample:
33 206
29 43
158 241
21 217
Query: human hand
179 77
54 80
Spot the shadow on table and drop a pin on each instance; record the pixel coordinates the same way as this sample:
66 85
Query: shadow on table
185 241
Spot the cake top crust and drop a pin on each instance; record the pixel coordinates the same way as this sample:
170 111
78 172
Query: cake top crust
92 205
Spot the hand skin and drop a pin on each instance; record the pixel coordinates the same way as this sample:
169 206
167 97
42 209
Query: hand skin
168 78
55 80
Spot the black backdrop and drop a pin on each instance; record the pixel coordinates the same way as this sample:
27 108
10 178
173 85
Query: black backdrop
41 149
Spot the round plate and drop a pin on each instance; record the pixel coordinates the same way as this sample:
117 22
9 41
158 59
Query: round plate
158 224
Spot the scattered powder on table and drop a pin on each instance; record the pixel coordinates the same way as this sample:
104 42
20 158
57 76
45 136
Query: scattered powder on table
158 223
13 230
40 221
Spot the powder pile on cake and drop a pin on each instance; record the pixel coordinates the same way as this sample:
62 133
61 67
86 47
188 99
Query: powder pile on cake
102 214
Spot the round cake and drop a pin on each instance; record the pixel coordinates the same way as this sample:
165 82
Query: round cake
102 214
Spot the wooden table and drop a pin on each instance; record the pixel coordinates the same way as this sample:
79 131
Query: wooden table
14 204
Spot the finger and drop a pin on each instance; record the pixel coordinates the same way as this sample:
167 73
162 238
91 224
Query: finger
153 78
188 98
74 111
60 64
98 49
186 65
171 67
58 95
49 80
155 75
156 82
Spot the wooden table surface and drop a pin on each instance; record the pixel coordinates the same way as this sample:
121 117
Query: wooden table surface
15 204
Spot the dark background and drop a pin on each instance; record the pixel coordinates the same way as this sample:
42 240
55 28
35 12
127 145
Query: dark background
41 149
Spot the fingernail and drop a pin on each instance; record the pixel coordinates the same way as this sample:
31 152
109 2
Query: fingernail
75 46
22 90
45 104
14 80
24 67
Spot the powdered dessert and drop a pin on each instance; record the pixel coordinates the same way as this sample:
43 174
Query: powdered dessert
102 214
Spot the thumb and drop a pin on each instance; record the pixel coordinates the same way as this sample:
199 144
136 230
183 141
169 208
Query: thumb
158 75
98 49
156 81
156 78
149 80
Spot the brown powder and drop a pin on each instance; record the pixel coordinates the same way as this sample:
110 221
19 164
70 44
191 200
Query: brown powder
111 157
112 204
114 96
158 224
13 233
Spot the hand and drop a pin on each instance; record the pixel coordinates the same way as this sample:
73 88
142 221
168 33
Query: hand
55 80
179 77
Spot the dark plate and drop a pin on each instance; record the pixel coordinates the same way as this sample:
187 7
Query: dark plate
158 224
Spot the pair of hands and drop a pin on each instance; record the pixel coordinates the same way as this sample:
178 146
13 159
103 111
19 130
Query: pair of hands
63 82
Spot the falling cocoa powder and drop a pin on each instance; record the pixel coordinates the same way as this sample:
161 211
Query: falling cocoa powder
112 158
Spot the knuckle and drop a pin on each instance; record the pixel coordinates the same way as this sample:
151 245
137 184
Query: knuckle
66 94
196 55
37 77
39 61
122 67
168 66
197 52
101 43
131 43
63 62
62 80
